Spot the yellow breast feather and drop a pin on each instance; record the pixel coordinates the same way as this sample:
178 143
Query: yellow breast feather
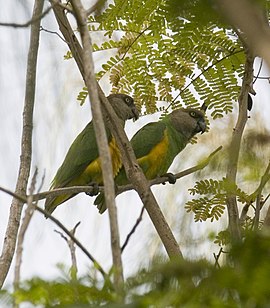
93 172
154 158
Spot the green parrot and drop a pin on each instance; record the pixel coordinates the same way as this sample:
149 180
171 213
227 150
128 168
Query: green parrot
82 165
157 144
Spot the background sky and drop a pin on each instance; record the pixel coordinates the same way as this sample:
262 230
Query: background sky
58 118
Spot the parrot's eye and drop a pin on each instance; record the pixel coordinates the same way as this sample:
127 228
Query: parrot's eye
128 100
193 114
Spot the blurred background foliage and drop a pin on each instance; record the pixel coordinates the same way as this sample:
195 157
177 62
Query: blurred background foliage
242 282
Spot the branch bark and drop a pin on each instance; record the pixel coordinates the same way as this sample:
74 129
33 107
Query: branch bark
106 163
26 148
234 149
28 214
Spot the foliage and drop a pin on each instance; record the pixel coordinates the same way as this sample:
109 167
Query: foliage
212 205
65 291
169 52
240 282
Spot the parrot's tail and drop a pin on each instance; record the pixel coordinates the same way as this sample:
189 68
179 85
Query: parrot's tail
52 202
100 203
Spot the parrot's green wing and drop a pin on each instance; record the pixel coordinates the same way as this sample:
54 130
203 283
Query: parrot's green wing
147 138
82 152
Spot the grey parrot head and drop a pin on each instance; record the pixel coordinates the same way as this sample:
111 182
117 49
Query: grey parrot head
124 106
188 121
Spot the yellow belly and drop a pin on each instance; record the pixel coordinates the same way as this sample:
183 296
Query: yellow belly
152 162
93 172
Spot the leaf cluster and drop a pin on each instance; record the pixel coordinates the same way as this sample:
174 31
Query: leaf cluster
179 60
212 204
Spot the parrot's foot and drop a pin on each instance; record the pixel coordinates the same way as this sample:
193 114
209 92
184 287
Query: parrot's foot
171 178
95 189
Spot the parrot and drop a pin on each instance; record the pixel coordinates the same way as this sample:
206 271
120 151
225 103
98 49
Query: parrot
157 144
82 165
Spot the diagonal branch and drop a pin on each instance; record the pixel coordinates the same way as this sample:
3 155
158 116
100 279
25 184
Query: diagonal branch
26 147
132 231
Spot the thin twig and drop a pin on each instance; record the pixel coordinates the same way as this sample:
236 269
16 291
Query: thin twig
201 74
257 212
266 222
74 239
29 22
265 178
53 32
217 256
257 76
132 231
257 194
72 248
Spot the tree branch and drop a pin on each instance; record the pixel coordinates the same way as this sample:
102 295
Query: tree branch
234 148
26 147
72 249
256 195
23 228
105 157
132 231
29 22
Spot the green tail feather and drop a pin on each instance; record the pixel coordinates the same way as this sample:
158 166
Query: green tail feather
100 203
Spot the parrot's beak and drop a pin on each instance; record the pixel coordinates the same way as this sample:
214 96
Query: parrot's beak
201 126
203 107
135 113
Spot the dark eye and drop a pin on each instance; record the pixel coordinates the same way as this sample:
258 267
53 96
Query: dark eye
128 100
193 114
